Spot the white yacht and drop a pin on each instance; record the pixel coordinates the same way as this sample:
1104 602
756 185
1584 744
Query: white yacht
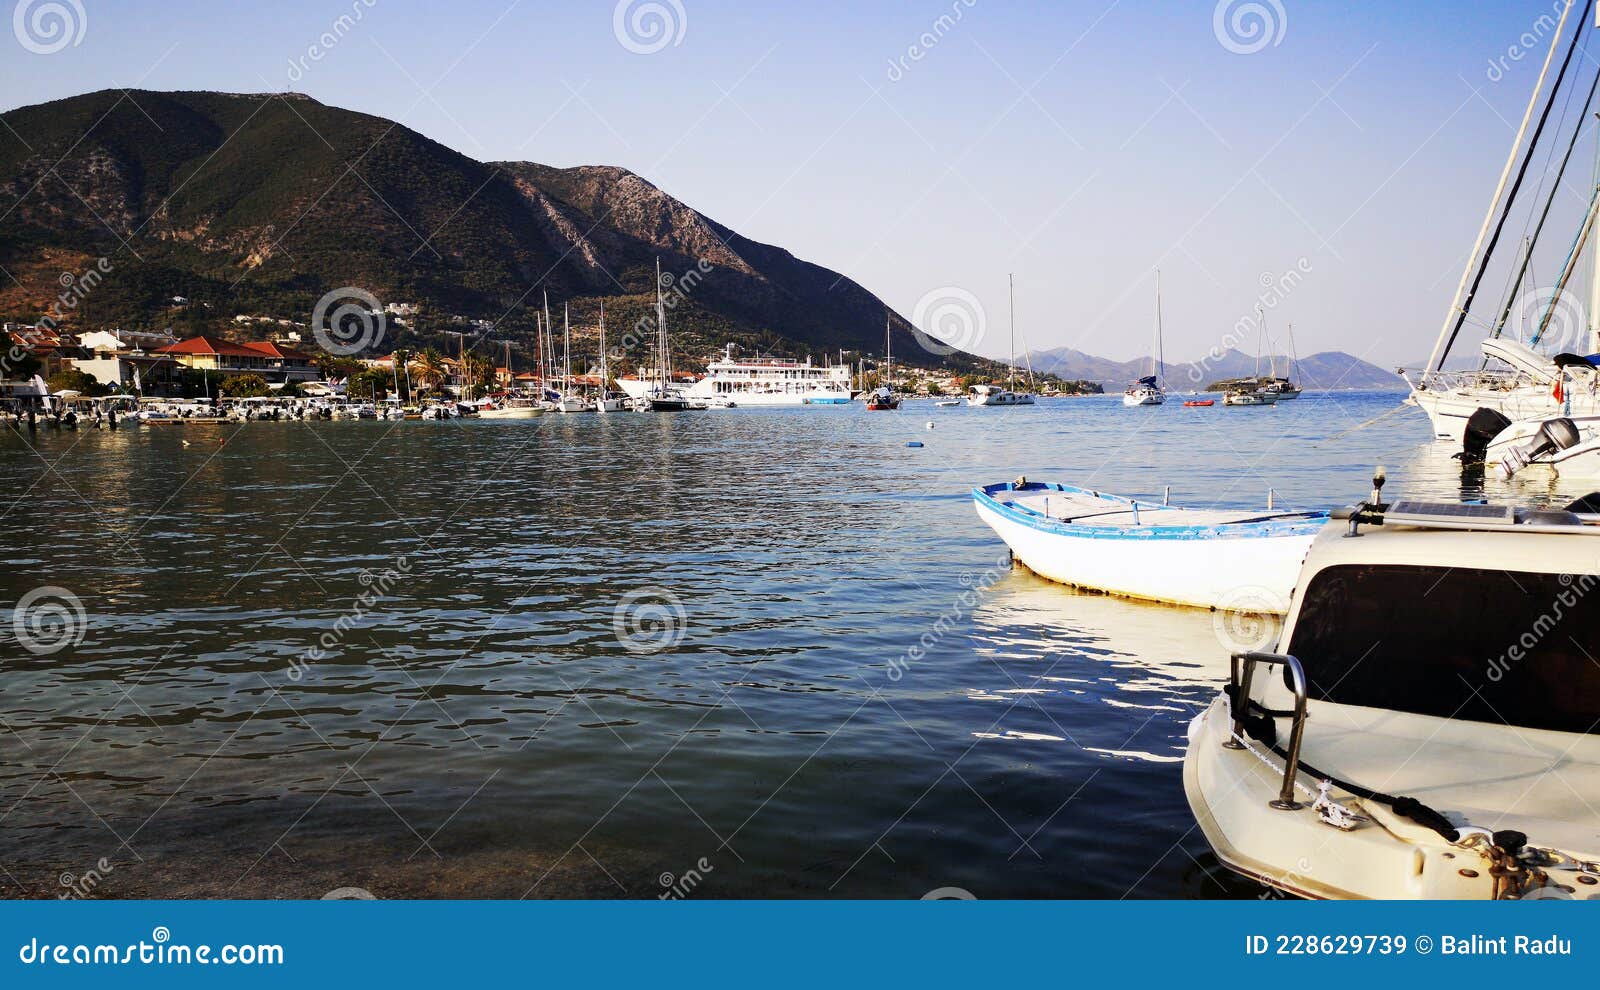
1425 729
1147 391
762 381
1144 392
1516 377
994 395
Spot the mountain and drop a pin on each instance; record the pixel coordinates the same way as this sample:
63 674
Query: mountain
261 204
1329 369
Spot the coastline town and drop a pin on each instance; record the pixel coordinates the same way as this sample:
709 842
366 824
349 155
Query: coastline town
52 374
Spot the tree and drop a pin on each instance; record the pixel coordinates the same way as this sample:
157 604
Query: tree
368 383
71 379
246 386
430 369
17 363
477 371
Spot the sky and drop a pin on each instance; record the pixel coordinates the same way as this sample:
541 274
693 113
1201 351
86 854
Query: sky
1332 161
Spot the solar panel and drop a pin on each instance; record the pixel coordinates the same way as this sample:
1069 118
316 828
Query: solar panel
1422 513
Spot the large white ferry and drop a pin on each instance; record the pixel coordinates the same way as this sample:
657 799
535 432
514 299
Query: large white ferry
761 382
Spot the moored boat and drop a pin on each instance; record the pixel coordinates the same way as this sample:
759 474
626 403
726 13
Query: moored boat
1208 558
1425 729
1192 403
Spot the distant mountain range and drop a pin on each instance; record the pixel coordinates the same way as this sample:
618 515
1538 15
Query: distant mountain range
1327 370
262 203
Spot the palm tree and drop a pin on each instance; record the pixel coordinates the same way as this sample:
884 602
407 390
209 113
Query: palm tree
476 370
430 368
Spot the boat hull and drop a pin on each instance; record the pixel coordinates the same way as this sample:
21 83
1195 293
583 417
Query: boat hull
1448 411
1246 567
1000 399
515 412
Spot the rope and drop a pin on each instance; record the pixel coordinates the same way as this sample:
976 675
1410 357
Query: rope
1322 802
1354 429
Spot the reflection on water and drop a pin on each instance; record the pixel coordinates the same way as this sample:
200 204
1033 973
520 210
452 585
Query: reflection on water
422 658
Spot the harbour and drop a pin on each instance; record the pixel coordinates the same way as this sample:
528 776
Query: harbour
535 455
488 701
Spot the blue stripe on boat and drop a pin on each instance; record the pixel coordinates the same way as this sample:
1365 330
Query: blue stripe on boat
1291 524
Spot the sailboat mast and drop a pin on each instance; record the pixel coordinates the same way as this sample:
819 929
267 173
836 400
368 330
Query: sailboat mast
661 334
1160 354
1459 301
1011 344
1294 356
605 359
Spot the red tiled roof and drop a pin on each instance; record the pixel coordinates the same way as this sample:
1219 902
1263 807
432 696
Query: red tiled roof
270 349
206 344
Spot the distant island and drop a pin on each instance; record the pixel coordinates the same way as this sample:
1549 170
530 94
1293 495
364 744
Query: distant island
1325 370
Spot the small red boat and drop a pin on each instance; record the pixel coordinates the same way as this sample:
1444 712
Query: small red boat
1200 402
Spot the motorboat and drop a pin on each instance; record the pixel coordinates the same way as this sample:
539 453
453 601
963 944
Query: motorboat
1425 727
882 399
994 395
1248 397
518 408
1230 559
1195 403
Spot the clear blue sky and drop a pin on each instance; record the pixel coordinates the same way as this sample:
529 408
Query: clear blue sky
1080 145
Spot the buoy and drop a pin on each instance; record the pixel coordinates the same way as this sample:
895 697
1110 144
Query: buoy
930 424
914 443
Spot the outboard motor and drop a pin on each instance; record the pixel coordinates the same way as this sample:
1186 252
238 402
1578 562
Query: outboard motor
1555 434
1483 426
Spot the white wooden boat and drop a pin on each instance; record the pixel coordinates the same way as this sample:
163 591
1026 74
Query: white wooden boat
1208 558
1426 728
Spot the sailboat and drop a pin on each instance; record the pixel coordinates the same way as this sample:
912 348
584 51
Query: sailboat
663 395
884 397
1524 382
1147 391
1285 388
606 401
1250 391
993 395
568 403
